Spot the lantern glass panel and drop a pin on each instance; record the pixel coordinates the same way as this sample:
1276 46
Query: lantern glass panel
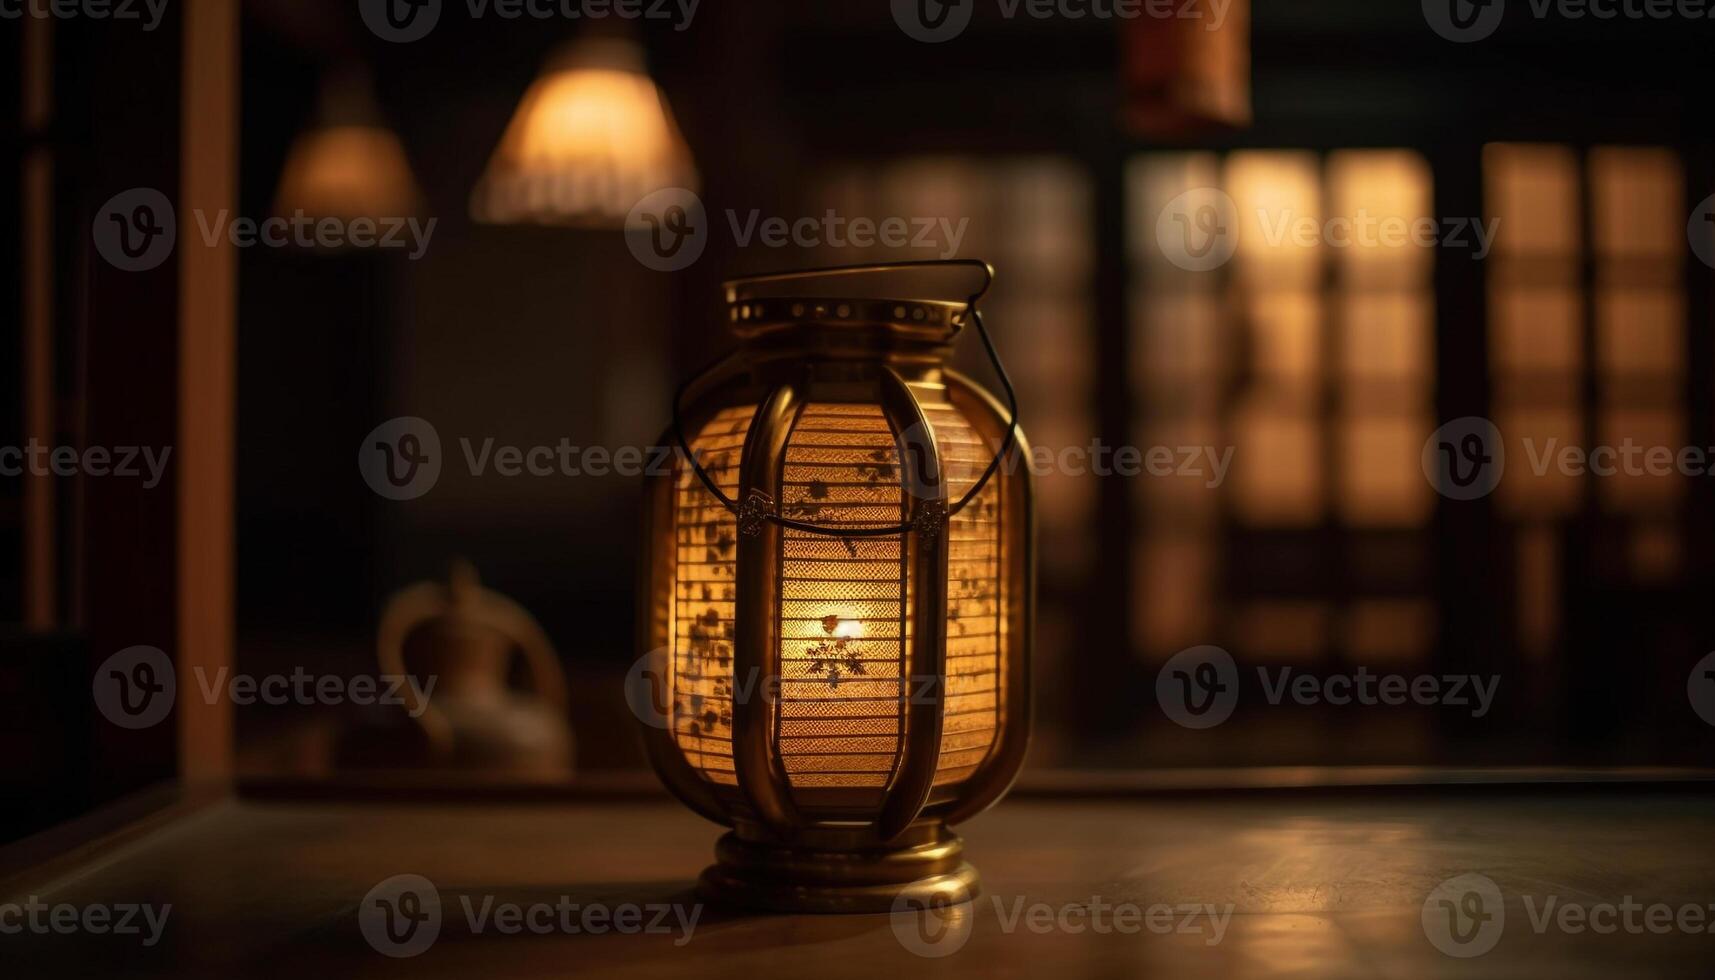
705 597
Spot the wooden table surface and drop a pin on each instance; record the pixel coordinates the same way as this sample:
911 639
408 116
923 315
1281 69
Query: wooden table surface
1318 887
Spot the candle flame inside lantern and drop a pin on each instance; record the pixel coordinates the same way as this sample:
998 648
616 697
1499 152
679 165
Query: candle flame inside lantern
836 625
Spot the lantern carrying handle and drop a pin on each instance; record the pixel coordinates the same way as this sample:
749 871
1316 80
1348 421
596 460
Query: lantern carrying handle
1006 445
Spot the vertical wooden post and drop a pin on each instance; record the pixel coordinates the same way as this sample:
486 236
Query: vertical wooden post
207 314
41 571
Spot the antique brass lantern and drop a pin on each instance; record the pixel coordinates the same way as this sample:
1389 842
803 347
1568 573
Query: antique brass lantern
839 591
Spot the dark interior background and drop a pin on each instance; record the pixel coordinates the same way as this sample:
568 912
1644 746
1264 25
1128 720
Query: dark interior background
528 335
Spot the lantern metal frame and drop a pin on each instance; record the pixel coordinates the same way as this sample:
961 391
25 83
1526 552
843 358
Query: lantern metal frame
776 855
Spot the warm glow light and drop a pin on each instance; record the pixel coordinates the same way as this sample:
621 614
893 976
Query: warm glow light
838 607
347 172
1278 198
591 138
1384 195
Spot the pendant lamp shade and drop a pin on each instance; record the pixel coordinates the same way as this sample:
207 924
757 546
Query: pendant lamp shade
592 137
348 164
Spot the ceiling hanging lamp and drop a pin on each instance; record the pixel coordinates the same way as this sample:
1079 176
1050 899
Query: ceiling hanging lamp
592 136
348 164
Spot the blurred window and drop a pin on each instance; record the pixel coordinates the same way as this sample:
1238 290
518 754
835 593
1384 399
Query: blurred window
1310 356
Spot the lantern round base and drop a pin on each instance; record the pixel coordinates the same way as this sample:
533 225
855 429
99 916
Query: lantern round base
925 869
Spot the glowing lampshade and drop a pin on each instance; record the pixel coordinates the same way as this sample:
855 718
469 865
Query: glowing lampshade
348 165
591 138
838 607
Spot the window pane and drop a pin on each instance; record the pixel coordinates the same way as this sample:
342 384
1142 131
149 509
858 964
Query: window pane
1533 190
1384 195
1637 200
1278 199
1277 473
1381 476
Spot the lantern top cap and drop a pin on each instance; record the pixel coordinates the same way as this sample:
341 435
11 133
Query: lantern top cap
925 300
922 320
959 281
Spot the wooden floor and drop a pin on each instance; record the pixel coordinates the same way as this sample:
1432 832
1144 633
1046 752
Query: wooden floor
1318 887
